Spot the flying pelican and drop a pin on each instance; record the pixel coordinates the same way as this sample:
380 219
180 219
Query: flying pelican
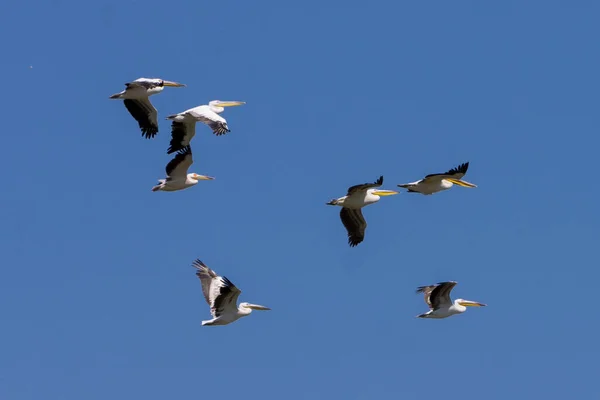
221 295
136 99
358 196
437 298
177 173
183 127
434 183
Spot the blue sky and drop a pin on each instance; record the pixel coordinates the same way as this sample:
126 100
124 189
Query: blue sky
98 296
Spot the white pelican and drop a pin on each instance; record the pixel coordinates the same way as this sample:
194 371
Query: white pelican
358 197
434 183
437 298
136 99
177 173
183 127
221 295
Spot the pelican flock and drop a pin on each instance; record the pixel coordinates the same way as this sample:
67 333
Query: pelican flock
219 292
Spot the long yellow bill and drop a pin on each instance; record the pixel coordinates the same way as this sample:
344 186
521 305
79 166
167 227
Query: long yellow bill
384 192
203 178
174 84
461 183
258 307
231 103
468 303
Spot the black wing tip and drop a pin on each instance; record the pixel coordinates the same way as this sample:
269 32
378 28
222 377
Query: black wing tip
220 132
421 289
353 242
176 147
181 151
461 169
380 180
227 281
185 151
149 133
198 264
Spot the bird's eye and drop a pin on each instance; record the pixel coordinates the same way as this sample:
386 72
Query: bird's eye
162 83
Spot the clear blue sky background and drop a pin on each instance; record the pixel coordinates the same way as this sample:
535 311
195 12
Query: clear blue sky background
98 298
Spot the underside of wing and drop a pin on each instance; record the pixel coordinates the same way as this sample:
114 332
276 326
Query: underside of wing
178 167
426 290
355 225
145 114
225 296
206 275
181 135
440 295
220 294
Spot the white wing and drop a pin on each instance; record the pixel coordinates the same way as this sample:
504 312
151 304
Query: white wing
205 115
220 294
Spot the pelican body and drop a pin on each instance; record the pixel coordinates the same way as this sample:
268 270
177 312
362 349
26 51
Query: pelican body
434 183
136 99
177 173
358 196
222 295
183 127
437 298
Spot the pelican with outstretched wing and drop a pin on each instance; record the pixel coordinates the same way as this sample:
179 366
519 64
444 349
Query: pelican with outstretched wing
183 127
136 98
358 196
434 183
437 298
177 173
222 295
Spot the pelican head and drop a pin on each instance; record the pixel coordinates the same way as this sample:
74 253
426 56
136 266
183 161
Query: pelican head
461 183
172 84
382 192
469 303
254 306
201 177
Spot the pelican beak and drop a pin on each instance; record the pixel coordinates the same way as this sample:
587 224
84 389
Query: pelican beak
258 307
461 183
203 178
468 303
384 192
231 103
173 84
